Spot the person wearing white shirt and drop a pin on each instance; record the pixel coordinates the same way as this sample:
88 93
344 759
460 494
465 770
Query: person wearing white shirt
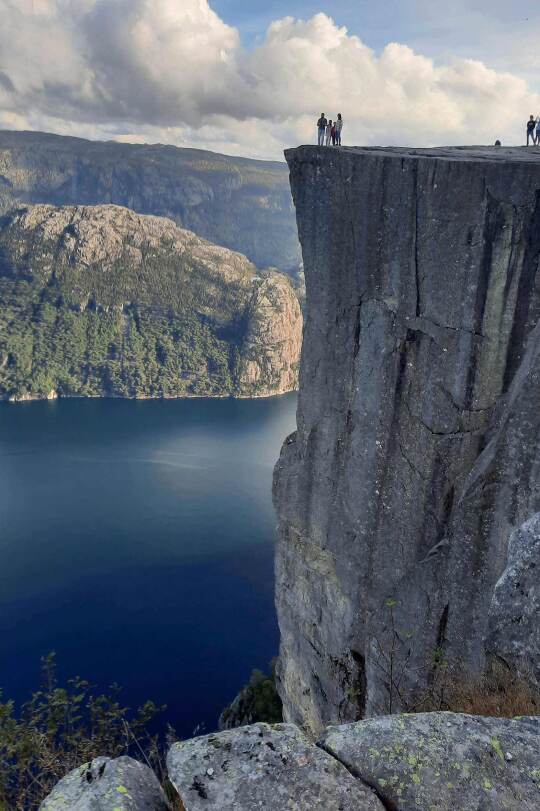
329 133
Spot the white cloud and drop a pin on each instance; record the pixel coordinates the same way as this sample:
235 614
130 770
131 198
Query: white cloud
173 71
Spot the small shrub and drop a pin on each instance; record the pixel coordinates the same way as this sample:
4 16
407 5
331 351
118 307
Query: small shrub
499 692
62 727
451 687
257 701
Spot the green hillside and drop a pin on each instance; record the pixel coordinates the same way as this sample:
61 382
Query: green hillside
100 301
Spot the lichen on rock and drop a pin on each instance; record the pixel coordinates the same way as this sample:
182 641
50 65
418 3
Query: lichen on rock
104 784
263 766
443 761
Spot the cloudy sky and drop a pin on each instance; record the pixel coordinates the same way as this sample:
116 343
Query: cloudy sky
247 77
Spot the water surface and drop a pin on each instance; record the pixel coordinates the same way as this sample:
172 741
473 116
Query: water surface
136 541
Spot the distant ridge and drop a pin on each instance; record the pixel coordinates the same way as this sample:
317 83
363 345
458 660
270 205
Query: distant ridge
240 203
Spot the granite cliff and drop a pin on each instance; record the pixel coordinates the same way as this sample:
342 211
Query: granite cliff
417 449
242 204
101 301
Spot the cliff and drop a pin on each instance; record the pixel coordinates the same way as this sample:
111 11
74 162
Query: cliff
101 301
417 447
242 204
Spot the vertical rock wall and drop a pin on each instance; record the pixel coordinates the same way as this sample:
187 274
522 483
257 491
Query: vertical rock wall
417 450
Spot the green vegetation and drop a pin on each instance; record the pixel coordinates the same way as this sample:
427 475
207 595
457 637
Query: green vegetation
498 691
62 727
133 352
257 701
159 321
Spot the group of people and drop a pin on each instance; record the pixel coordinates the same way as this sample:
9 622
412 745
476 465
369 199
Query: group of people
329 132
533 130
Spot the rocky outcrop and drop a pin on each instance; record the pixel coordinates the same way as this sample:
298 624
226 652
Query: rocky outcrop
271 347
425 762
101 301
443 761
417 447
514 616
242 204
263 767
122 784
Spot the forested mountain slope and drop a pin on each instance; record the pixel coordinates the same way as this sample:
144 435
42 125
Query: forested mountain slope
101 301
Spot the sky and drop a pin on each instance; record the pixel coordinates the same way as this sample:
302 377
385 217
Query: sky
250 78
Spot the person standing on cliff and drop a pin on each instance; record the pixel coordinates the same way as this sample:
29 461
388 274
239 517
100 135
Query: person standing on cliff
329 133
531 124
321 126
339 127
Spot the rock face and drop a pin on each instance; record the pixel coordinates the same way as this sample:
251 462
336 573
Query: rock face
443 761
514 617
242 204
263 767
98 300
273 340
122 784
418 437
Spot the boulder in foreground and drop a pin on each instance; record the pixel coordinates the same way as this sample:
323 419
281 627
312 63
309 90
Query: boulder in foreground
263 767
444 761
104 784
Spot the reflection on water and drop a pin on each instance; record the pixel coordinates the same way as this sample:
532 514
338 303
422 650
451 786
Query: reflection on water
136 540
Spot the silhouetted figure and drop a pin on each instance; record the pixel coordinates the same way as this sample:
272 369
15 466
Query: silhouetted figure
339 127
321 126
531 124
498 143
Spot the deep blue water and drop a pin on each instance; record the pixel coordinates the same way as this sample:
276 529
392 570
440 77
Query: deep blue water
136 541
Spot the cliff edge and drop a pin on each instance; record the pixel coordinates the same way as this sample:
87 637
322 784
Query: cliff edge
417 447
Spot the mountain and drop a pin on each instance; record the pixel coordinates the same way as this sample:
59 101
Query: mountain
101 301
242 204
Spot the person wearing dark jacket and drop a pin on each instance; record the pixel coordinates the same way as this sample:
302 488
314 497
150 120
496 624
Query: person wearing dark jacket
322 123
339 127
531 124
